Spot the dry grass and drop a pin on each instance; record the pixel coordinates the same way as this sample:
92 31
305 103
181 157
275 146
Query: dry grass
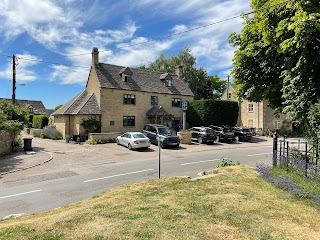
236 205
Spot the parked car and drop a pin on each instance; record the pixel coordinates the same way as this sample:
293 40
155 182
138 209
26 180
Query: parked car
203 135
224 134
157 132
242 134
133 140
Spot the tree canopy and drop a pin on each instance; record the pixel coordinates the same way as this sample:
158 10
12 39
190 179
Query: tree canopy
197 77
277 57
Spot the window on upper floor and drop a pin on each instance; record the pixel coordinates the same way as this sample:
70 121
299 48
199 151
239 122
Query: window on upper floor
154 100
176 102
168 82
126 78
129 99
250 107
277 124
30 109
129 121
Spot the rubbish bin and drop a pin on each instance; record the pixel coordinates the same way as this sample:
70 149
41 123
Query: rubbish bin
27 144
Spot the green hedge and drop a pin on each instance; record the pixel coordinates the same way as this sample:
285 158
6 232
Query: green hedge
40 121
212 112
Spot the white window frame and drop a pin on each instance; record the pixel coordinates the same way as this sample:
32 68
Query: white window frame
277 124
250 107
250 123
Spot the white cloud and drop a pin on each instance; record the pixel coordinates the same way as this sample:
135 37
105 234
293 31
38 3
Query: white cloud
24 70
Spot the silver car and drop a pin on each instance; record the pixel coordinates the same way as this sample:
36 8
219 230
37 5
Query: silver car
133 140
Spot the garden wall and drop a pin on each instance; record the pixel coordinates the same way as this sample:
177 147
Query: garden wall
6 139
103 136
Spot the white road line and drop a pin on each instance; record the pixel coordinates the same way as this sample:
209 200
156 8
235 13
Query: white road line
19 194
183 164
257 154
119 175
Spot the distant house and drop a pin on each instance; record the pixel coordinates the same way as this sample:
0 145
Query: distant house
32 106
124 99
257 115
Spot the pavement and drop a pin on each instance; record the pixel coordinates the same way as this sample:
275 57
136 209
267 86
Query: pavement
45 150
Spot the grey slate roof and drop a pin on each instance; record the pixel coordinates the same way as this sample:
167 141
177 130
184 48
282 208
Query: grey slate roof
83 104
38 107
157 111
141 80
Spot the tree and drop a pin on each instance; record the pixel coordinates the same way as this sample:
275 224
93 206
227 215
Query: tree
278 56
196 77
218 86
57 107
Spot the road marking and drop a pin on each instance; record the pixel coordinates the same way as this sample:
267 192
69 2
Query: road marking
183 164
19 194
257 154
119 175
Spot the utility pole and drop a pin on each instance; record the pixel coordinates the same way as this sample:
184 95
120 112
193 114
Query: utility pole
13 79
228 88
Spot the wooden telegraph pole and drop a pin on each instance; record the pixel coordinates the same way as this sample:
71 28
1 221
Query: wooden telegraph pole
13 79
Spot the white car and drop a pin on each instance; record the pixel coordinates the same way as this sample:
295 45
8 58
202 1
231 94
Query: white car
133 140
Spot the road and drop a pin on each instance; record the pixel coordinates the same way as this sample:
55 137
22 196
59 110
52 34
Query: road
63 182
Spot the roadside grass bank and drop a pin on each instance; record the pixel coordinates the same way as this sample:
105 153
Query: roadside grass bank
236 205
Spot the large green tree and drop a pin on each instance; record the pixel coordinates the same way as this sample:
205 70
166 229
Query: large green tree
196 77
278 55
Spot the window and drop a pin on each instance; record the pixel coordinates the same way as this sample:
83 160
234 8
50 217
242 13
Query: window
30 109
277 124
250 123
250 107
111 123
168 82
129 99
154 100
176 102
129 121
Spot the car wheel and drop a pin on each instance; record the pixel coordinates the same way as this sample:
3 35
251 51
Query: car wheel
218 139
129 146
118 142
200 140
236 138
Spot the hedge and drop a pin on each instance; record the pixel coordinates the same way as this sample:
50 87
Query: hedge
39 121
212 112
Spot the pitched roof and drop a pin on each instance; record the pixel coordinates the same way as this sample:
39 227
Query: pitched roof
38 107
157 111
141 80
83 104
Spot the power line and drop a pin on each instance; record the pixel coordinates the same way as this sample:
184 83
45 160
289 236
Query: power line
181 32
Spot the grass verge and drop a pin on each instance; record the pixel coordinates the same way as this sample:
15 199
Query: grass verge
235 205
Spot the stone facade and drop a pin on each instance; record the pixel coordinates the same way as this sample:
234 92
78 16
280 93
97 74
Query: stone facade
257 115
5 143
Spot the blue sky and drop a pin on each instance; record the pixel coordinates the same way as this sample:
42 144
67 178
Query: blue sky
47 35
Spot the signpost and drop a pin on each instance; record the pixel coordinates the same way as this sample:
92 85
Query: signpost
184 106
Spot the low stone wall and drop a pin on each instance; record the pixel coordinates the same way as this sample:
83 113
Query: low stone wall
103 136
5 143
185 137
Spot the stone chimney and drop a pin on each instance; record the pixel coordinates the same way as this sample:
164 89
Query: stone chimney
95 56
179 71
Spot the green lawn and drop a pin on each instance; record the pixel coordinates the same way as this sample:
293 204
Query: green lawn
235 205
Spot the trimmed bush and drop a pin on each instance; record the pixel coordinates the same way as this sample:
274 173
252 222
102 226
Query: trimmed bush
48 132
212 112
40 121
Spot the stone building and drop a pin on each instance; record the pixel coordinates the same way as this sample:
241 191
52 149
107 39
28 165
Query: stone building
257 115
34 107
124 99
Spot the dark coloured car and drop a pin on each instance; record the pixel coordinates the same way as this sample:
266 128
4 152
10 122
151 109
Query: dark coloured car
163 133
242 134
224 134
203 135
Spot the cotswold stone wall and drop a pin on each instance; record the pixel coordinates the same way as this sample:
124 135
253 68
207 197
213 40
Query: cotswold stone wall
6 139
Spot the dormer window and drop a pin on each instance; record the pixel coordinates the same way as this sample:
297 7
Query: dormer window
126 74
30 108
167 79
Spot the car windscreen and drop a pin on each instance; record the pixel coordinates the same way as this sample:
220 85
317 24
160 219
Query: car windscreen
138 135
209 131
164 131
226 130
246 130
